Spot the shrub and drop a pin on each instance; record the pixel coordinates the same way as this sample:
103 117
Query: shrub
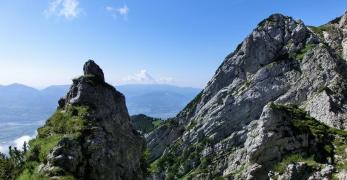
300 55
281 167
320 29
11 166
329 141
68 123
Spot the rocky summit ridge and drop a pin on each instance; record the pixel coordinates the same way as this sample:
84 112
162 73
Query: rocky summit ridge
275 109
89 136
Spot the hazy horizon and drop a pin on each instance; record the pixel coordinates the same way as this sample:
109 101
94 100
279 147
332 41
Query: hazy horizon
179 43
125 84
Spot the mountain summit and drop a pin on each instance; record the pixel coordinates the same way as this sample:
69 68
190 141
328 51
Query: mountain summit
89 136
91 68
276 108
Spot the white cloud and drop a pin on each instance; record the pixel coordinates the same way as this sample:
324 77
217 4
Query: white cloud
110 9
115 12
18 143
3 149
166 80
143 77
68 9
123 11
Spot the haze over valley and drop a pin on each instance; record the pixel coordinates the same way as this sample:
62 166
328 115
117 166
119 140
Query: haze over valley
23 109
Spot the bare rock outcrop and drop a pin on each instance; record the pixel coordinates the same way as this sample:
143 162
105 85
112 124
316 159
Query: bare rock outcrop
93 135
280 95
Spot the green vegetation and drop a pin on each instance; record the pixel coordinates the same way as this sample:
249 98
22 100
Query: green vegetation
23 165
194 173
63 124
144 164
169 122
300 55
181 163
303 51
156 123
330 142
90 78
191 125
30 172
320 29
340 144
12 165
242 88
239 171
269 21
154 166
306 124
144 123
41 147
192 105
294 158
15 166
323 88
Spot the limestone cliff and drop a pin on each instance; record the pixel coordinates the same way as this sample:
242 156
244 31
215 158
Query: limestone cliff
278 100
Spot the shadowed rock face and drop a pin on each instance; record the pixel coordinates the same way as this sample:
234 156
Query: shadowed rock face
107 147
231 124
343 21
91 68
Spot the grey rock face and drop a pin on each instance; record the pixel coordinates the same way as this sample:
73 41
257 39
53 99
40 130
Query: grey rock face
91 68
297 171
281 61
302 171
108 148
325 174
343 21
342 175
171 131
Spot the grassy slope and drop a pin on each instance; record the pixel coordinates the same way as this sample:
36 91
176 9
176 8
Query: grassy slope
68 123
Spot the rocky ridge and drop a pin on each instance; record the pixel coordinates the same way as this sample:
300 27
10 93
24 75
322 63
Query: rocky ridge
89 136
275 109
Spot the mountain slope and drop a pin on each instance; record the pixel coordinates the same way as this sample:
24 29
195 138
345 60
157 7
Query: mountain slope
144 124
280 95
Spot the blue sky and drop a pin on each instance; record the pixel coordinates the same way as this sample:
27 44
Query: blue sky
181 42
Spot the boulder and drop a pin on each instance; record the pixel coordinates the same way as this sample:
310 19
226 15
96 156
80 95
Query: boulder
91 68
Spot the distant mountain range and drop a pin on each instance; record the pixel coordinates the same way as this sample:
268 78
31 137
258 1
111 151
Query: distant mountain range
23 109
20 103
160 101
